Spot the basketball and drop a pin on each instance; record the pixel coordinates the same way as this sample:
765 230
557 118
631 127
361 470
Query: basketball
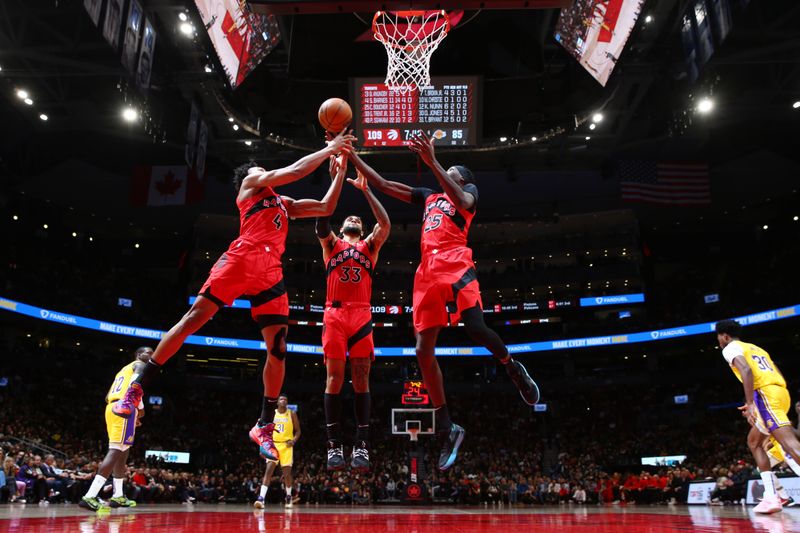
335 115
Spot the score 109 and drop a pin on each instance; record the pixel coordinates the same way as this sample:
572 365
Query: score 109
393 135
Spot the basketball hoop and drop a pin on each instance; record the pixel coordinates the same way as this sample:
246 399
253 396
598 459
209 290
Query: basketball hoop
413 433
410 39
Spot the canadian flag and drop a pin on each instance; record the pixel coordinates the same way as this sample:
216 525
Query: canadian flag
164 185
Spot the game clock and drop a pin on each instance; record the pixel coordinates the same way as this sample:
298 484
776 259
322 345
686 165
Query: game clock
448 111
414 393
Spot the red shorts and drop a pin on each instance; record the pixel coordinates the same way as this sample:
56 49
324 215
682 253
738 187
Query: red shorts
255 272
445 285
348 330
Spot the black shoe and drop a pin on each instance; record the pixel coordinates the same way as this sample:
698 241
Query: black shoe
335 455
360 457
527 387
450 443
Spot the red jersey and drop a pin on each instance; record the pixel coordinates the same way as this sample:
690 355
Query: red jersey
263 220
349 269
444 226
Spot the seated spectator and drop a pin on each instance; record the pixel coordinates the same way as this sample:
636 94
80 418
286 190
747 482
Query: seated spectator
579 496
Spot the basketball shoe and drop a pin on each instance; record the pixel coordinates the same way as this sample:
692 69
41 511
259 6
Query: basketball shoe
129 402
335 455
769 505
520 377
121 501
93 504
259 503
451 440
360 457
262 435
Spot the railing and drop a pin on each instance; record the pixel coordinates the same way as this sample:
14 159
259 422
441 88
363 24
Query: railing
36 446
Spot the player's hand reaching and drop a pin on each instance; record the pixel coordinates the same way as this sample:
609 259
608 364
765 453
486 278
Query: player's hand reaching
749 413
342 143
360 182
422 145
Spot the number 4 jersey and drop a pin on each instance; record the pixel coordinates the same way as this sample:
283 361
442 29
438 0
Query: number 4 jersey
252 264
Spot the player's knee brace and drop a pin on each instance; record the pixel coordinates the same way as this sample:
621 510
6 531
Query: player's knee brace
278 348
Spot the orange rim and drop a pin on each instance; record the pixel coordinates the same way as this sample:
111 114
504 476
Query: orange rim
379 36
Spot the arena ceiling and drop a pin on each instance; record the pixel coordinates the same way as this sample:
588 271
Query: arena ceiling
531 85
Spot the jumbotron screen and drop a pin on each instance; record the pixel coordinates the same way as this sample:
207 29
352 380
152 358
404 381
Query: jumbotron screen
448 111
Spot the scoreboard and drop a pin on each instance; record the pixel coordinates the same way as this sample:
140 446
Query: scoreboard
448 111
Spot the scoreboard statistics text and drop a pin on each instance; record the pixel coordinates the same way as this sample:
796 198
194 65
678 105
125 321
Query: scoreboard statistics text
447 110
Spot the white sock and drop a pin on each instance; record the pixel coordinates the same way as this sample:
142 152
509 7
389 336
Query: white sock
789 460
97 484
263 492
118 488
288 491
769 486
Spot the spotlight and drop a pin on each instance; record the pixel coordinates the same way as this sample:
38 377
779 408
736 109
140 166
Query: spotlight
136 245
15 217
503 139
587 137
235 127
22 94
249 143
592 126
705 106
183 17
796 218
597 117
45 226
74 234
43 117
765 226
533 139
28 101
648 19
230 119
186 29
129 114
208 70
796 105
91 239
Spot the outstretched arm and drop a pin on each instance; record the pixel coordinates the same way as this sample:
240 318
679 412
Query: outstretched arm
307 207
422 145
383 226
301 168
395 189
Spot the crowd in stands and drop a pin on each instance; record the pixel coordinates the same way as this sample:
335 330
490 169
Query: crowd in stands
586 449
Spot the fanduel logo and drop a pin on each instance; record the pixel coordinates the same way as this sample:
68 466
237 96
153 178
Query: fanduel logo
598 300
44 313
654 334
209 340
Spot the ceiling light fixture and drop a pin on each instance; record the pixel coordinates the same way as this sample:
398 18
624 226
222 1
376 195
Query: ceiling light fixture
129 114
705 105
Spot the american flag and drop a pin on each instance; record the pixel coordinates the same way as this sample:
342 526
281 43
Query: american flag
665 183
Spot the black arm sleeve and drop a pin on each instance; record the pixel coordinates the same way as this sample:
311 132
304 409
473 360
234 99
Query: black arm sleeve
323 227
419 194
473 190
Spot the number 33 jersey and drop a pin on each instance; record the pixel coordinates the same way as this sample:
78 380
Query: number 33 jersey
349 269
765 372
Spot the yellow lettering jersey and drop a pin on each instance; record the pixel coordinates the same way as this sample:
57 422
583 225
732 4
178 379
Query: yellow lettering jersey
120 384
284 428
765 372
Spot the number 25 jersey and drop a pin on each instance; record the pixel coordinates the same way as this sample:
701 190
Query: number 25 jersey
764 370
444 226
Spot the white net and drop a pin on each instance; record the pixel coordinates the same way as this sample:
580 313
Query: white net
410 39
